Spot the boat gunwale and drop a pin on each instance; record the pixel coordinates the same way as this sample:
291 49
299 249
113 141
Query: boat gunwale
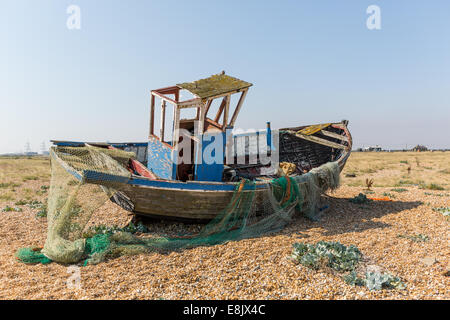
200 186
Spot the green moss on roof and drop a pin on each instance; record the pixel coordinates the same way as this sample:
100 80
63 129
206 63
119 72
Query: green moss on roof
215 85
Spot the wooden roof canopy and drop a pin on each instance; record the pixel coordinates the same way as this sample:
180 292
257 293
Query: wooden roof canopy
215 85
204 91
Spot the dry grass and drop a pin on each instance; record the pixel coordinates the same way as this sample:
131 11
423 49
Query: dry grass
391 169
21 178
385 232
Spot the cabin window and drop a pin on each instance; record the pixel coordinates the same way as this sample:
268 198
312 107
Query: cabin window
233 105
213 108
168 124
157 118
186 95
188 113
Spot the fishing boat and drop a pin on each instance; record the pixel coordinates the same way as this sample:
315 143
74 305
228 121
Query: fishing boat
172 175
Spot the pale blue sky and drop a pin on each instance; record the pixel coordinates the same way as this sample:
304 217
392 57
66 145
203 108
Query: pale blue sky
310 62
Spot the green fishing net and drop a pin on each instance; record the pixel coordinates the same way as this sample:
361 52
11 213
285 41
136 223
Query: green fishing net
72 202
32 256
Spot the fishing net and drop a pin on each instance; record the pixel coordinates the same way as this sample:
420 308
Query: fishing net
84 178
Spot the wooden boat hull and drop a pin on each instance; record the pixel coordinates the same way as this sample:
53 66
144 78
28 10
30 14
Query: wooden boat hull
179 204
202 201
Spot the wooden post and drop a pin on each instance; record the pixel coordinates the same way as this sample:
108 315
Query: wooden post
227 109
201 118
219 112
198 136
238 107
152 114
208 104
229 148
176 125
163 118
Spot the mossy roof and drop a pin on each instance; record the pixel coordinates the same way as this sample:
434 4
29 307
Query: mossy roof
215 85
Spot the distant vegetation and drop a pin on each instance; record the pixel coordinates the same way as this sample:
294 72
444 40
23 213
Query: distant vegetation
399 190
429 170
431 186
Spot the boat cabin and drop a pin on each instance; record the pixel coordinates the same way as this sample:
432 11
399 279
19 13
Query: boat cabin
191 138
200 129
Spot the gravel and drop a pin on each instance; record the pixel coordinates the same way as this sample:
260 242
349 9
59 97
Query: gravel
257 268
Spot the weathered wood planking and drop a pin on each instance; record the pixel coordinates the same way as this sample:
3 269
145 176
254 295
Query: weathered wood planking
319 140
334 135
192 204
160 158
